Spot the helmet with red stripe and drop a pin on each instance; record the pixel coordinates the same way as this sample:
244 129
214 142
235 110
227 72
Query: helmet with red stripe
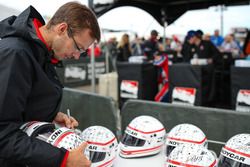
236 152
63 137
102 146
34 128
184 133
144 136
53 134
190 155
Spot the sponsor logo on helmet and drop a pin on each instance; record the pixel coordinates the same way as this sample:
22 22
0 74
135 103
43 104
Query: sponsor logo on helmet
173 143
133 133
55 135
232 155
171 166
92 147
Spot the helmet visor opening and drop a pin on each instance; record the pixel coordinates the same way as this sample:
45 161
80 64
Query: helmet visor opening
132 141
169 149
227 162
95 156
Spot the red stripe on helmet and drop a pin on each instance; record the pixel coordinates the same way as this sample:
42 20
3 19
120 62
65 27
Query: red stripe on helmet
237 152
139 151
101 144
61 137
146 132
185 140
188 165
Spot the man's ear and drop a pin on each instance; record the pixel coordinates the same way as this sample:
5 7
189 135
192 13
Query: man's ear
62 28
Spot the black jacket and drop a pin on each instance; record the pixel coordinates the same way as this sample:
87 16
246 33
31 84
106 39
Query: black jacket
187 51
123 53
207 49
29 90
150 47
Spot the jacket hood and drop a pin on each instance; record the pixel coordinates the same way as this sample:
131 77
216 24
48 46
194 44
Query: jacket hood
21 25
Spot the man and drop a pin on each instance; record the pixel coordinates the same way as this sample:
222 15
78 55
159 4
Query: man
151 46
188 48
30 89
216 39
206 49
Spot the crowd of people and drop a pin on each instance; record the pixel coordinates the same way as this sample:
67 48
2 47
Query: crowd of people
196 44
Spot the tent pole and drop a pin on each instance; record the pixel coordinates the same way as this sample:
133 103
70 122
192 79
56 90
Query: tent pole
93 84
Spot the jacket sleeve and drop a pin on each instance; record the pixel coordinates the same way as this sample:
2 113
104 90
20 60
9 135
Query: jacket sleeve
16 77
216 55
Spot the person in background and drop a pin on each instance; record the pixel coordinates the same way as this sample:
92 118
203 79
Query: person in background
188 48
151 46
217 39
137 46
167 44
111 50
199 33
230 45
176 45
206 37
30 88
124 49
205 49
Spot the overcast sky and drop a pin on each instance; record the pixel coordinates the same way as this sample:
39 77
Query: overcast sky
139 21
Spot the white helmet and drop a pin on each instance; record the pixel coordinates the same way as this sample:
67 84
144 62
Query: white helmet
102 146
53 134
63 137
190 155
34 128
184 133
236 152
144 136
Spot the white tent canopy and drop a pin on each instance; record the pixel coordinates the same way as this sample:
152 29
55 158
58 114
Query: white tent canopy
7 11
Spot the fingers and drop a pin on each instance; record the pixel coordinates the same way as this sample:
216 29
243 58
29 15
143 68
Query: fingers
74 122
76 157
70 122
82 149
64 119
67 121
83 146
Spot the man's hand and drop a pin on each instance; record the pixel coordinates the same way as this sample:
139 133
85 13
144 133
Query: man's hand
77 158
65 120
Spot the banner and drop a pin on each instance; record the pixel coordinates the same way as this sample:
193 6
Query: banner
75 73
129 89
243 101
183 95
